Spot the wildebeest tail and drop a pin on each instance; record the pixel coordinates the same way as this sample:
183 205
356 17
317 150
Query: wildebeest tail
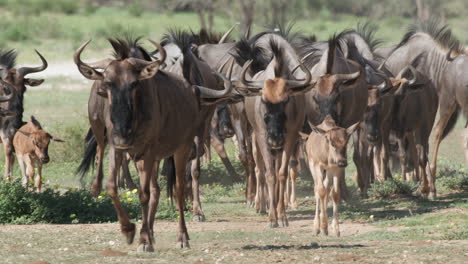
89 155
452 121
170 172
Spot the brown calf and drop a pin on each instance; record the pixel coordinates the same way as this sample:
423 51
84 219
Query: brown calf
326 153
31 145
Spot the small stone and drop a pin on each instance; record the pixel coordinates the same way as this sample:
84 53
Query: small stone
29 245
317 258
314 245
207 251
376 251
65 249
242 254
111 243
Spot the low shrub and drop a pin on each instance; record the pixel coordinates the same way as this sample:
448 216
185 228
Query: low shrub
392 187
452 177
20 206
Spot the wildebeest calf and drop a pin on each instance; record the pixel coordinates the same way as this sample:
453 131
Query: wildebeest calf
326 153
31 145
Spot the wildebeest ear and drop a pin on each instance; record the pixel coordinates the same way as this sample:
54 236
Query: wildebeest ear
149 71
33 82
35 123
318 130
350 130
56 139
90 73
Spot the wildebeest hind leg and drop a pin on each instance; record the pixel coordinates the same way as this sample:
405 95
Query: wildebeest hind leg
155 193
180 159
198 215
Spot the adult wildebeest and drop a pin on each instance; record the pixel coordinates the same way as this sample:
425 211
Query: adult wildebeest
276 115
219 56
186 41
414 114
140 119
341 89
31 145
445 63
326 153
17 81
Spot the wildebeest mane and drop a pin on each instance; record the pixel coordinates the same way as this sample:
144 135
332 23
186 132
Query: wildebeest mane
208 37
184 40
307 52
439 32
278 56
333 44
285 31
8 58
128 47
245 50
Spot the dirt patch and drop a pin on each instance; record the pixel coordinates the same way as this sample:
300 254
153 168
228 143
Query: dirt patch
113 253
348 257
38 262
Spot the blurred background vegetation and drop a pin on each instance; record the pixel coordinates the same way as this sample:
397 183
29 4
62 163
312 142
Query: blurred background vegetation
61 25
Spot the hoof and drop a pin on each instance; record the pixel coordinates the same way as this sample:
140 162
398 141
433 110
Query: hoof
293 205
324 232
145 248
273 224
317 232
284 222
129 233
199 218
182 244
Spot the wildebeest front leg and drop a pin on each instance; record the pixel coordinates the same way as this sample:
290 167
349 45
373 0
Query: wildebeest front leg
9 159
155 193
127 228
402 155
218 145
23 170
180 160
445 112
282 177
335 194
29 171
38 180
271 180
198 215
146 172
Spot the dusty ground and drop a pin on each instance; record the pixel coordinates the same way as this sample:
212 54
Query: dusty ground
239 239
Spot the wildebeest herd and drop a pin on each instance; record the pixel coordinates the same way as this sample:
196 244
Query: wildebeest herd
283 95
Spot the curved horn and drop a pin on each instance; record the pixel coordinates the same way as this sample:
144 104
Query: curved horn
385 85
414 72
346 76
23 71
12 92
449 54
210 93
162 51
226 35
291 84
252 84
400 74
86 70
